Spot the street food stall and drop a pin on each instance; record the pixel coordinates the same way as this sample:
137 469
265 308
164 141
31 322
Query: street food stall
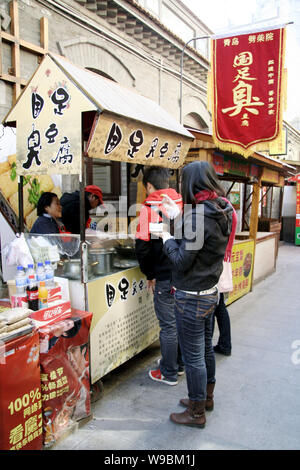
248 182
291 208
61 100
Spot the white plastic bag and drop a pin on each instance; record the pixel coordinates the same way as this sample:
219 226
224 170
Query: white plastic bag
17 252
225 282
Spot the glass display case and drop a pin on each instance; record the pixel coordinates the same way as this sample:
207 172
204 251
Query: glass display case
101 254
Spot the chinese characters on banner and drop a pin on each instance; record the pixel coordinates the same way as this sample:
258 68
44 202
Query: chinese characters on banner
242 266
124 321
48 116
123 139
247 89
21 426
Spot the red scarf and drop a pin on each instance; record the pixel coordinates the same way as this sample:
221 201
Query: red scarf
204 196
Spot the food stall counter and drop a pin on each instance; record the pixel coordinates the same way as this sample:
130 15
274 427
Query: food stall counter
104 279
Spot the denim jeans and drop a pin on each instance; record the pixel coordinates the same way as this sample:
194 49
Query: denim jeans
164 309
194 324
223 320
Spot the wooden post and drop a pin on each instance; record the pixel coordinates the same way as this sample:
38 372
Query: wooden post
14 74
254 220
254 209
44 34
15 50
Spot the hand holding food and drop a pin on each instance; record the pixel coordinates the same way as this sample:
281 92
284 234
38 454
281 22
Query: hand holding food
170 206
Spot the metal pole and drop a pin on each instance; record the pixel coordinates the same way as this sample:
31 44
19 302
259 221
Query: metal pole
181 69
20 202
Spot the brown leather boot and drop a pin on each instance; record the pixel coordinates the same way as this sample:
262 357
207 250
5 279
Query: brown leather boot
194 415
209 404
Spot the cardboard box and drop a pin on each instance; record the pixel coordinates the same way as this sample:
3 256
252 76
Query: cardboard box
46 316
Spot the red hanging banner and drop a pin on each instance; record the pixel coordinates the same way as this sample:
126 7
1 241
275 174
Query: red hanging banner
247 88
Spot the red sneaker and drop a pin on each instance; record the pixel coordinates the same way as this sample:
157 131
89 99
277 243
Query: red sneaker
158 377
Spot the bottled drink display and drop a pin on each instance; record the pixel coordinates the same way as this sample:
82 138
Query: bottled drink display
30 272
21 280
43 295
20 298
32 293
49 275
40 273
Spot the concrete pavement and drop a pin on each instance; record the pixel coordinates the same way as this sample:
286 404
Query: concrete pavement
257 394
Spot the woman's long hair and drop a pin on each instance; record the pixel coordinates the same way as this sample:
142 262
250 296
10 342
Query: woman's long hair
198 176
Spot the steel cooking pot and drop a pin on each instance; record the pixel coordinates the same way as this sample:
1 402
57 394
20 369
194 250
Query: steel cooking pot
72 268
102 260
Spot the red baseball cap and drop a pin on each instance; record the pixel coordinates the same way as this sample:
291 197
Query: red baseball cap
93 189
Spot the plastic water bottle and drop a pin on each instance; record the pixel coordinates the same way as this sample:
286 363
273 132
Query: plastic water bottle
21 280
49 275
20 298
33 293
30 272
40 273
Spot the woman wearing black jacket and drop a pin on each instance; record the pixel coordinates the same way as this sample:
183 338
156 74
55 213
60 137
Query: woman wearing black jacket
197 262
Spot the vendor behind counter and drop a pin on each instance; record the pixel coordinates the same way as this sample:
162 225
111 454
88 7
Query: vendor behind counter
49 213
70 203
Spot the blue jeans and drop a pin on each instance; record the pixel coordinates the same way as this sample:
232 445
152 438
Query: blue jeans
164 309
223 320
194 324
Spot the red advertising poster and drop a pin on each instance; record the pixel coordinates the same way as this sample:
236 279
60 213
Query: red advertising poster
297 228
247 89
20 394
65 377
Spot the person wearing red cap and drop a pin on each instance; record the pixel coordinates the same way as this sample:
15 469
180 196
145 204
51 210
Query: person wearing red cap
70 203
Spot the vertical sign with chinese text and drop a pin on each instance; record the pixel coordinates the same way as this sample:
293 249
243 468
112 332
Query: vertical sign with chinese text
247 89
48 116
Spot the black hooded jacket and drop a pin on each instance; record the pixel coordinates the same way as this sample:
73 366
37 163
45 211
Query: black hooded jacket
197 258
70 203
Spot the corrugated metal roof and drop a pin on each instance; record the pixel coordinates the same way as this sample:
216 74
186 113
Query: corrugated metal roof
114 98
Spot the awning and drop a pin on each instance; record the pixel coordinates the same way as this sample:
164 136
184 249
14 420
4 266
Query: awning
227 164
127 127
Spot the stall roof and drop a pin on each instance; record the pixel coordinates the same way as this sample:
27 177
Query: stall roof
257 157
127 126
114 98
109 96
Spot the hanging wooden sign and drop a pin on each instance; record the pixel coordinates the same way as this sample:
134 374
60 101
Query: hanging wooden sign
126 140
48 116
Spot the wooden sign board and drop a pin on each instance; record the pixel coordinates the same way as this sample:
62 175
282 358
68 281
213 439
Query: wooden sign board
48 116
126 140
